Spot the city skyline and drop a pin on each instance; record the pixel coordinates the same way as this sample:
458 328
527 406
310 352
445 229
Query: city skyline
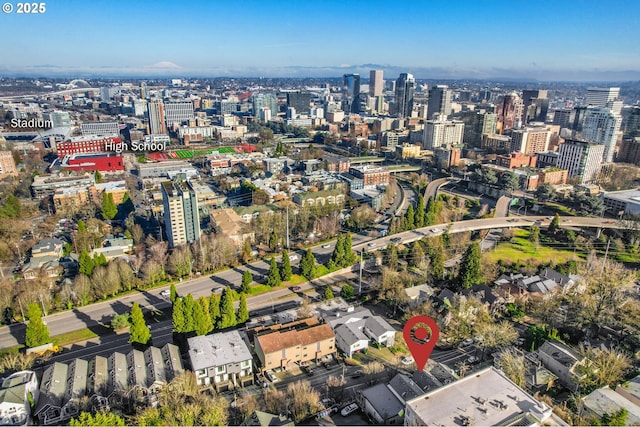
571 41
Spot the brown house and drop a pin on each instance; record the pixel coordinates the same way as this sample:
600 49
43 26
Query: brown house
301 342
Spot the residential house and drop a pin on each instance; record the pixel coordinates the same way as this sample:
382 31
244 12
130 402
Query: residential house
47 266
298 343
607 401
16 392
361 324
563 362
418 295
222 360
114 248
381 405
229 223
47 247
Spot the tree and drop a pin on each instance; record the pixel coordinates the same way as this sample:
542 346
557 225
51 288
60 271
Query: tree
534 235
302 400
285 267
347 292
410 218
85 263
139 331
247 279
494 335
308 265
328 294
545 193
602 290
391 256
513 366
337 256
82 227
420 212
173 293
554 225
201 318
603 367
273 240
109 209
227 312
189 313
509 181
243 309
99 419
273 277
98 177
416 254
470 267
37 332
214 308
120 321
349 255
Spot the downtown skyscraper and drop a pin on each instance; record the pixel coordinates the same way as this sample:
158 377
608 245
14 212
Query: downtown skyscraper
351 93
439 102
405 86
157 118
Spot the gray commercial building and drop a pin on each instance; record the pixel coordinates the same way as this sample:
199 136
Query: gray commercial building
181 217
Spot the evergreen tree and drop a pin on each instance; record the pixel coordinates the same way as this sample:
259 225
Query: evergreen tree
139 331
554 225
470 267
82 227
99 419
201 322
308 265
247 279
189 308
285 267
173 293
243 309
349 255
273 278
410 218
273 240
430 217
37 332
391 255
416 255
534 235
207 323
328 294
437 262
98 177
179 321
100 260
214 308
347 292
337 256
420 214
109 208
85 263
227 312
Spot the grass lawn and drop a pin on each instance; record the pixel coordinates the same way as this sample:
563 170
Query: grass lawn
296 279
520 248
321 270
73 337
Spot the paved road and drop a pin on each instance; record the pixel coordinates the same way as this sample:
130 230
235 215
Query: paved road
101 313
432 188
502 207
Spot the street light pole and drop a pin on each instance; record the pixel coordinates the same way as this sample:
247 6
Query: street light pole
360 277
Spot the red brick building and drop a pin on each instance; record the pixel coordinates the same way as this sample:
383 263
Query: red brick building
370 175
516 160
88 144
103 162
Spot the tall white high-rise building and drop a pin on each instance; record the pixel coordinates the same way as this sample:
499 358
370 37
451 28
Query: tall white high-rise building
376 82
602 126
156 117
581 158
181 218
605 97
442 134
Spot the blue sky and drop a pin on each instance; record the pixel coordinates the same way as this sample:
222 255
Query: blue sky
566 40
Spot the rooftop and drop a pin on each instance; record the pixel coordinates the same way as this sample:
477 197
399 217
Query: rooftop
278 340
218 349
485 398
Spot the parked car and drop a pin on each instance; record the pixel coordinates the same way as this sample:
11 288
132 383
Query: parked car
271 376
407 360
435 230
356 374
295 288
467 342
307 370
473 359
372 244
327 246
165 293
349 409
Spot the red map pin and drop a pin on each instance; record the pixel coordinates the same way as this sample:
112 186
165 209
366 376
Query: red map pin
421 335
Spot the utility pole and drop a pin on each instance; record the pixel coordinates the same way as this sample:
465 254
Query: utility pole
287 227
360 277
